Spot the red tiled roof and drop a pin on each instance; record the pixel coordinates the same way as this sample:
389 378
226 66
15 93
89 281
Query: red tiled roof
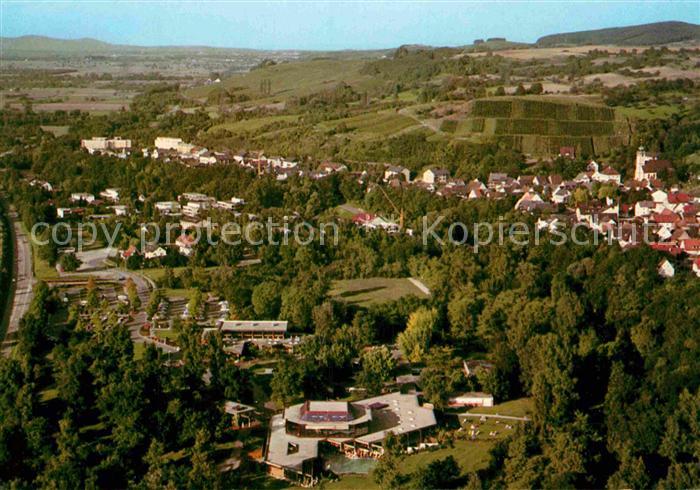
362 218
667 247
679 197
691 245
656 165
665 216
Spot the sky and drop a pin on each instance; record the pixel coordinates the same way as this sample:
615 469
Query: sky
325 25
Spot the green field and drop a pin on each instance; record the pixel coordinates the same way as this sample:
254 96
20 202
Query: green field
654 112
365 292
255 124
384 123
521 407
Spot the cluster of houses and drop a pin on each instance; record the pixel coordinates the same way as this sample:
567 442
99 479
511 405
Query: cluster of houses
668 221
170 149
107 202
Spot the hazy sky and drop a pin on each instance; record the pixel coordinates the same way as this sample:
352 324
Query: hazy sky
325 25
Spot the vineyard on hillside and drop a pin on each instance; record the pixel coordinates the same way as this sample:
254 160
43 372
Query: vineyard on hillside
541 127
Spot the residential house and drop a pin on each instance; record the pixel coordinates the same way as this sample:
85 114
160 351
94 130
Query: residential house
567 152
696 267
110 194
666 269
120 210
41 183
608 174
397 172
154 252
691 246
168 207
328 168
435 176
527 200
82 197
185 244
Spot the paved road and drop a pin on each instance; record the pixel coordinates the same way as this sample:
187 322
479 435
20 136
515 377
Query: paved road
23 279
494 416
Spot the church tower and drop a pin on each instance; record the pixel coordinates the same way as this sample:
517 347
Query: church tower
642 158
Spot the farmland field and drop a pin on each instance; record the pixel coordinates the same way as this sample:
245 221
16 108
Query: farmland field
253 124
296 79
365 292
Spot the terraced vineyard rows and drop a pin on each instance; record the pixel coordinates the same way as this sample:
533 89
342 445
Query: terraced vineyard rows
540 127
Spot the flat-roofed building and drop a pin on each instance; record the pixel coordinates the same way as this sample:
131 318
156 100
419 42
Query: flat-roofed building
100 144
167 143
356 429
254 329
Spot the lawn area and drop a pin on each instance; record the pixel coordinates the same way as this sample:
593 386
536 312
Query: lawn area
42 269
165 333
470 455
139 350
515 408
365 292
56 130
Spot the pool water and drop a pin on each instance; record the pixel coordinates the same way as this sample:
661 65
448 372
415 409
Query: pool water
341 465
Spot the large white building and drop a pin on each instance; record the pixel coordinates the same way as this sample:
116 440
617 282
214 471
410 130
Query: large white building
167 143
100 144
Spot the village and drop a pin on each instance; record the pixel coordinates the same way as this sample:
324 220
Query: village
666 218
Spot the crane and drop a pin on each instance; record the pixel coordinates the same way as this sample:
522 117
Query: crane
396 208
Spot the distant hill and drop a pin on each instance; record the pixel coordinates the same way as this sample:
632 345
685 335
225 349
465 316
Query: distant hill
38 46
43 43
645 34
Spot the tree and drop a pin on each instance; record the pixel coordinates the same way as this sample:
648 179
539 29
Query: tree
132 293
441 376
266 300
520 90
500 91
387 474
92 298
69 262
287 380
416 339
462 312
441 473
203 473
377 367
153 302
196 303
536 88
